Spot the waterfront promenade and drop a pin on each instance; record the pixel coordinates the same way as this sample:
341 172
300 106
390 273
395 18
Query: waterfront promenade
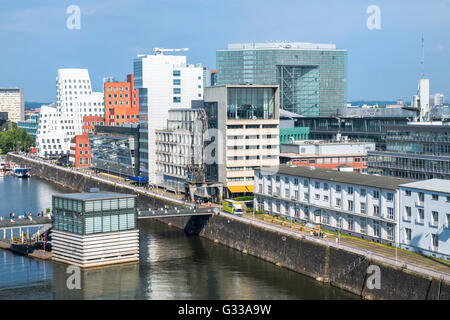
376 252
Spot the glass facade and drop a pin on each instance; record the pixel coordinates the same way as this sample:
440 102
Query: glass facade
414 151
113 154
251 103
94 216
312 82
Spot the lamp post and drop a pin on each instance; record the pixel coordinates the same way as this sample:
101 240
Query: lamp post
340 220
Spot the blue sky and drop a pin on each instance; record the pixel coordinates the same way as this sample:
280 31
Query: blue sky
382 64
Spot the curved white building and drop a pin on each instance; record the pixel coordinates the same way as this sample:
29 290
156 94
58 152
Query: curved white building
59 123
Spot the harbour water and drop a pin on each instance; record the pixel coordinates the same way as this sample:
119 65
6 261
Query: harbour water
172 265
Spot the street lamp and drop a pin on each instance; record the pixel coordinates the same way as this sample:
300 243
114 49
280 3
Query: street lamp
340 221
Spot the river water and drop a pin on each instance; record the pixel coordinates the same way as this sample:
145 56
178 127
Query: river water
172 265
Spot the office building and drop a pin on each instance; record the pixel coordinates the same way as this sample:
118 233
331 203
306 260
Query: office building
418 150
94 229
327 154
30 125
348 202
437 100
425 217
60 122
121 102
80 151
179 146
164 82
115 149
243 126
312 77
362 124
12 101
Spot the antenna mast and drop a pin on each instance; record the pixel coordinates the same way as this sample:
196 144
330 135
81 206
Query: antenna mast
423 58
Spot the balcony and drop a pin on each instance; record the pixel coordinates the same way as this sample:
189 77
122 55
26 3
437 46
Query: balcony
275 194
294 198
419 221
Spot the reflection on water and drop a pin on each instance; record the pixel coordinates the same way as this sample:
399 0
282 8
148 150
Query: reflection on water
172 266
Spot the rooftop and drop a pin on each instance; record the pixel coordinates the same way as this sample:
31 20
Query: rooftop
437 185
93 195
382 182
281 45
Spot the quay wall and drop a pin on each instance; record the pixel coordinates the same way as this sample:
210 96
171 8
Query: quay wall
313 259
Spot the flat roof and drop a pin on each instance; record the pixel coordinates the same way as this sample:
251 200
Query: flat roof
382 182
315 155
437 185
93 195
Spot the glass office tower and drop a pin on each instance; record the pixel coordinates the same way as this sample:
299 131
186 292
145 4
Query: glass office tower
312 77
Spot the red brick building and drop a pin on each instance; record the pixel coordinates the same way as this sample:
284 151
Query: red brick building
121 102
90 122
80 151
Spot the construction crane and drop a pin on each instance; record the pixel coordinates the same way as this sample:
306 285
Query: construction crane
161 50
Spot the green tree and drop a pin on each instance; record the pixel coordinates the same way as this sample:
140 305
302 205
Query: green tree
15 139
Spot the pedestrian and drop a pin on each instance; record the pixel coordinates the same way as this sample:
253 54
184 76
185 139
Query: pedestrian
10 215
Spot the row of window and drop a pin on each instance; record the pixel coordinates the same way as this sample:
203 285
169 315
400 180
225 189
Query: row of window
434 196
120 89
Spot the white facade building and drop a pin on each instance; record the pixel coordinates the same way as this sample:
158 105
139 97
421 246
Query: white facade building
164 82
75 99
424 98
358 204
12 101
425 217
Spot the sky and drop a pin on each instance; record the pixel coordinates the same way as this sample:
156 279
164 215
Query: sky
383 64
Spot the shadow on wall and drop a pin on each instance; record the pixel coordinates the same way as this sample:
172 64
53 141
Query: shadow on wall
196 224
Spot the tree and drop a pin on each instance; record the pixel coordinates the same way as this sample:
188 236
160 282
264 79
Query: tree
15 139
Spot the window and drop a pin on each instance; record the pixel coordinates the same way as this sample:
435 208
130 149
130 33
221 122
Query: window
317 185
338 188
317 196
350 190
176 90
448 220
350 205
434 197
408 234
435 218
408 213
362 207
325 198
363 225
434 240
376 194
286 193
448 198
176 82
390 196
376 211
176 73
350 223
338 202
176 99
390 213
376 229
362 192
421 196
421 216
325 186
408 193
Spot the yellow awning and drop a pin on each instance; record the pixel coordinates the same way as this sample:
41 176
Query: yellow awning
237 189
250 188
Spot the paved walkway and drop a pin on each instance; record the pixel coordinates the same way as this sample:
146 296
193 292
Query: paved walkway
371 249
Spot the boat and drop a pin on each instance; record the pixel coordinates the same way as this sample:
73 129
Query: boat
21 173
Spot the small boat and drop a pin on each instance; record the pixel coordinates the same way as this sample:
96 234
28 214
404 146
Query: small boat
21 173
